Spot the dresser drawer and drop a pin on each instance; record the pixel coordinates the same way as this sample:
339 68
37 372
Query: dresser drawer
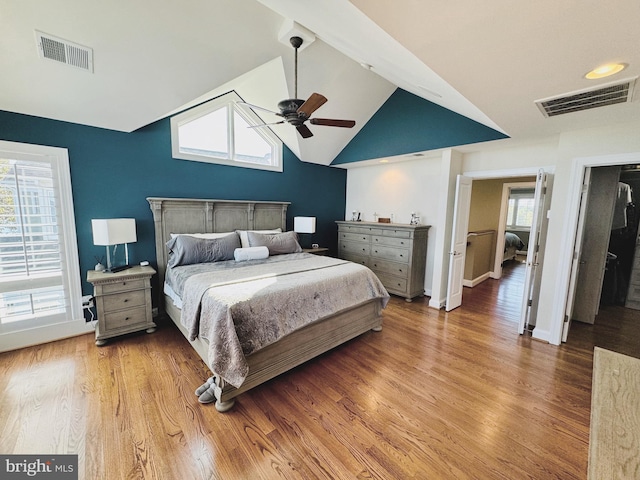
392 282
390 253
397 233
126 318
354 237
362 260
393 268
124 300
391 241
122 286
359 229
357 248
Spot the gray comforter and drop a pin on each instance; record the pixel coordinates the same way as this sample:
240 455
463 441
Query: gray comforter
240 307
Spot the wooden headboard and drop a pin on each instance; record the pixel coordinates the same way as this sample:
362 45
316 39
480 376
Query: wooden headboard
193 215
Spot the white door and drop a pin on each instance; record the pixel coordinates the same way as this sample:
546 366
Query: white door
577 249
535 251
595 234
458 251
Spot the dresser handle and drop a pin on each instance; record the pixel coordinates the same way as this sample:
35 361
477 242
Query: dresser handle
126 300
126 318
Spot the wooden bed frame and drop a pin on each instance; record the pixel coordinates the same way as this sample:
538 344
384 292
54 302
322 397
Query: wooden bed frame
182 215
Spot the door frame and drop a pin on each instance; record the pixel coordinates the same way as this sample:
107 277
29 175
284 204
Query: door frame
499 174
502 224
569 232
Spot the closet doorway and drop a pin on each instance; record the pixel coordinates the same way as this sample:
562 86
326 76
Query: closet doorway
606 249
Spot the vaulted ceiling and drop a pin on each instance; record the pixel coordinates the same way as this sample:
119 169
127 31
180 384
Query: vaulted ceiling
486 60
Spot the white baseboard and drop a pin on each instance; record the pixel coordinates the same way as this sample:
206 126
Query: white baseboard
46 334
538 334
476 281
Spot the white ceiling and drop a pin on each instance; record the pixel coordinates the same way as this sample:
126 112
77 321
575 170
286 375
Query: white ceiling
486 60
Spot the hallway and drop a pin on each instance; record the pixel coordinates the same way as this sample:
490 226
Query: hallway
616 328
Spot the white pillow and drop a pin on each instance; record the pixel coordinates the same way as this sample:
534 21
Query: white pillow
251 253
244 241
203 235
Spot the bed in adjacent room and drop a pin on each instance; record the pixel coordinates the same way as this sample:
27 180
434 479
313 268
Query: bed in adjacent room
250 302
512 243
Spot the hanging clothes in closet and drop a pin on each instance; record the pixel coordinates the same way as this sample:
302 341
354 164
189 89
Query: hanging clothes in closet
621 247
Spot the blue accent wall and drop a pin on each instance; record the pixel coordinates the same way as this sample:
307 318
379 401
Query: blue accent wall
407 123
112 174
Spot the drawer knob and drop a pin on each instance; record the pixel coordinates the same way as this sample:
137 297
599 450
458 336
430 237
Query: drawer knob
126 300
126 318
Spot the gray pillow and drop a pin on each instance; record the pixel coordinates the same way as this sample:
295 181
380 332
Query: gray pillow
187 250
277 243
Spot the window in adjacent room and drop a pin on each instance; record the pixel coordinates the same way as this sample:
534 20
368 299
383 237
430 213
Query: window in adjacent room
520 211
219 131
39 282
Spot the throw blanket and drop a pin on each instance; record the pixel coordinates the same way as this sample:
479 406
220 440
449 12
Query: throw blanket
241 307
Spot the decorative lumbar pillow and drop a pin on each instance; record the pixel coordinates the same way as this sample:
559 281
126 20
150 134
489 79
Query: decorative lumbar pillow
187 250
243 235
250 253
278 243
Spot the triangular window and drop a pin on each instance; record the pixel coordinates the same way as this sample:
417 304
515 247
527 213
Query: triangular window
221 132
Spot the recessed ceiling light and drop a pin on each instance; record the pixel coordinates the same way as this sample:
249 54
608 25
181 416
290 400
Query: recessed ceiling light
605 70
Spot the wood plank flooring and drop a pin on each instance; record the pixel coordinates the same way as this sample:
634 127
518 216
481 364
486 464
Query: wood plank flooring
435 395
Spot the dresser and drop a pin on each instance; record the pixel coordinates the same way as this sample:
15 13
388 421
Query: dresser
397 253
123 302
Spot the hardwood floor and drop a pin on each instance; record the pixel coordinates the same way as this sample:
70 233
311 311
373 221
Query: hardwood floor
435 395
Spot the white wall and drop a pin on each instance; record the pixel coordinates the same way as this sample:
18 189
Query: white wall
401 188
398 189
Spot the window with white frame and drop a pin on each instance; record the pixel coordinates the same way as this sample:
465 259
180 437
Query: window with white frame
39 282
220 131
520 209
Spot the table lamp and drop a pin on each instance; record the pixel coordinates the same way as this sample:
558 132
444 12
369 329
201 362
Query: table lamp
304 224
113 232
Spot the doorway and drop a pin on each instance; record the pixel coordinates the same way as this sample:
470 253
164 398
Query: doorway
485 223
609 265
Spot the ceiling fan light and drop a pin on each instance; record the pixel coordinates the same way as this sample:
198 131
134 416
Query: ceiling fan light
605 70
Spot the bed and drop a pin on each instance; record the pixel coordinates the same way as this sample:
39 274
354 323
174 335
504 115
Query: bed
212 306
512 243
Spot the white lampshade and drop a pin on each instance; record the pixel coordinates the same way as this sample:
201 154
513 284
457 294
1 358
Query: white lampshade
304 224
113 231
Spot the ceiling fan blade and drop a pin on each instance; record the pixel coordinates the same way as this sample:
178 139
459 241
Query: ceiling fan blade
314 102
304 131
333 123
256 107
266 124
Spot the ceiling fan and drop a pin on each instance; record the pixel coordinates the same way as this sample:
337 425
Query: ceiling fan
296 111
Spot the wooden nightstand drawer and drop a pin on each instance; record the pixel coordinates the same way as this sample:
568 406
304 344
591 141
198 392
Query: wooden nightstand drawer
125 285
125 318
124 300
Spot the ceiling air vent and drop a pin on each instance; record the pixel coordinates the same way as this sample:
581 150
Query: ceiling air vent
64 51
609 94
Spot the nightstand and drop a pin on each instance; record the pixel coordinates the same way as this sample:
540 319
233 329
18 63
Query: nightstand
123 302
317 251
